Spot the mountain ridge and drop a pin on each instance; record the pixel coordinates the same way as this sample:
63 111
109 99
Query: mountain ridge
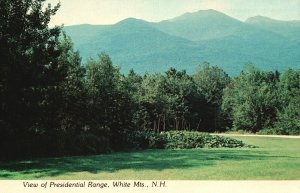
261 17
188 40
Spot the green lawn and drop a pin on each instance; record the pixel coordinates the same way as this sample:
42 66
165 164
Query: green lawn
276 159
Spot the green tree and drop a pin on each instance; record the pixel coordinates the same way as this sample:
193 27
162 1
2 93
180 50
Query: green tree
29 69
251 100
181 92
41 84
210 82
289 93
150 103
168 102
70 101
110 113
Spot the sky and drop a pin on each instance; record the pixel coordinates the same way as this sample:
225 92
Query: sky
73 12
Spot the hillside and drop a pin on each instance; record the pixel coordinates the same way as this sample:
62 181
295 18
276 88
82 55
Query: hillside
288 29
188 40
201 25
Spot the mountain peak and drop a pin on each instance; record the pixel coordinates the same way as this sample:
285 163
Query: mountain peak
209 11
131 20
201 25
209 14
133 23
206 11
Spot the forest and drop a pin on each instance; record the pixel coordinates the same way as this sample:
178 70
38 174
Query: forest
53 104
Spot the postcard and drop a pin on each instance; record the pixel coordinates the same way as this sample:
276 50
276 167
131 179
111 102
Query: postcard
150 96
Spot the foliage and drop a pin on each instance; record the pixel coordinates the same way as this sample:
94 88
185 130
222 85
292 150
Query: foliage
145 140
210 82
109 102
88 143
180 140
289 115
179 101
31 74
251 100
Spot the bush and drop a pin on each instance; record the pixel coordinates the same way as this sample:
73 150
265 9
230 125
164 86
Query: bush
145 140
87 143
180 140
220 141
283 130
184 139
274 131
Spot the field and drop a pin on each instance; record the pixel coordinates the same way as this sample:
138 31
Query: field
275 159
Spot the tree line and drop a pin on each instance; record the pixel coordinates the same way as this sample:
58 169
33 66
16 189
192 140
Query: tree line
52 104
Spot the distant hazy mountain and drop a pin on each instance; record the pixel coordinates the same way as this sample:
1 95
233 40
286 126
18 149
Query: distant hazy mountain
289 29
188 40
134 44
202 25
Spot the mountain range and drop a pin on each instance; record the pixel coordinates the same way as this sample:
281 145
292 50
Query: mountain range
187 41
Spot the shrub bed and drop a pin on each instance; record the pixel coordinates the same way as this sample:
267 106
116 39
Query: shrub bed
180 140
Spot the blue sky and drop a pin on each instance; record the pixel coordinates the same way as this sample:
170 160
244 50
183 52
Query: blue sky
75 12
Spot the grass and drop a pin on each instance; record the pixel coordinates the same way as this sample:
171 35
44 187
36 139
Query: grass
275 159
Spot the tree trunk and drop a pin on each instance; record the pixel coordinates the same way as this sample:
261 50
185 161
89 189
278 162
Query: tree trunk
198 125
158 125
164 123
145 124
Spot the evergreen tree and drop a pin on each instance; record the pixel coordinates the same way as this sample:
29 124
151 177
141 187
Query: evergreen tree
29 69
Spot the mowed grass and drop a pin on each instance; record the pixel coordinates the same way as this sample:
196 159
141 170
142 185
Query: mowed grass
275 159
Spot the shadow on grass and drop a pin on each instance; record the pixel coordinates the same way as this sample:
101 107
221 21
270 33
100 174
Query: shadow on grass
142 160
